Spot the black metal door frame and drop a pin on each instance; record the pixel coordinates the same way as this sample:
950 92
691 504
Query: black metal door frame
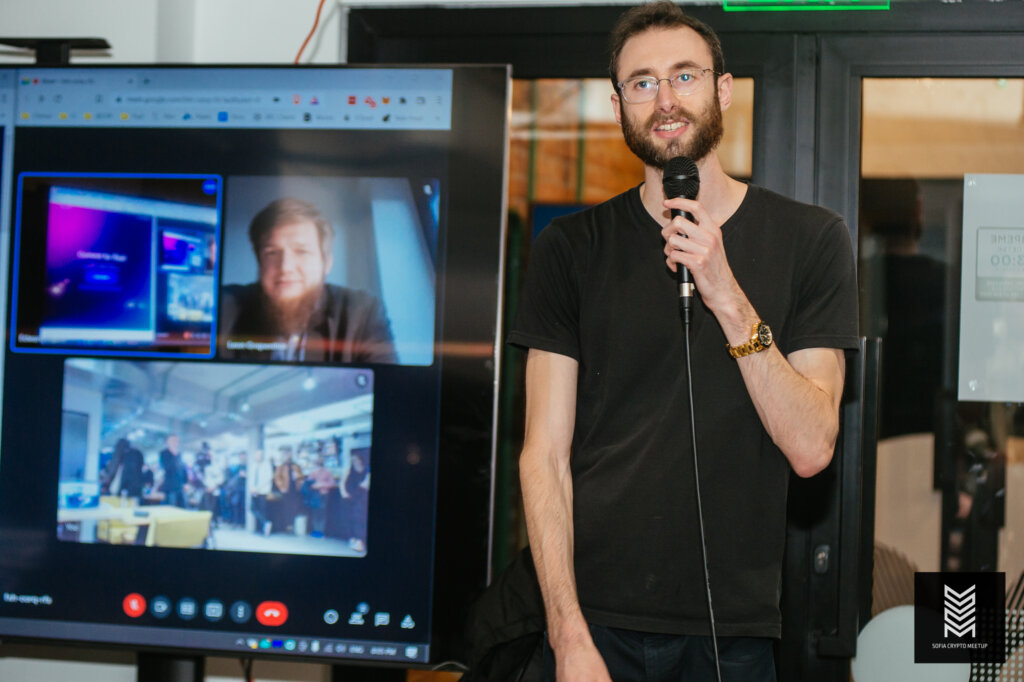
845 60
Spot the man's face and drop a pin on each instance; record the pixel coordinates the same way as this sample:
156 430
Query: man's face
670 125
172 443
291 262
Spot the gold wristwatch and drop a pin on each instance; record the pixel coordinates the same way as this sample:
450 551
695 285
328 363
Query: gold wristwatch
759 340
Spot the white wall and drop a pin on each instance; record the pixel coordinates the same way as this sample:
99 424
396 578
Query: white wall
266 31
207 31
128 25
180 31
174 32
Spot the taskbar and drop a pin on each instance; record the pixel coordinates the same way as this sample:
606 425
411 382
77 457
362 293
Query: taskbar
214 642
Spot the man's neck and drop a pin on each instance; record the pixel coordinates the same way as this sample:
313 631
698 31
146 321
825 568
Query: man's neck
719 194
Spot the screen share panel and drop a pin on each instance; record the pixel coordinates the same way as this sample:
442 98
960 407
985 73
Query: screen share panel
115 264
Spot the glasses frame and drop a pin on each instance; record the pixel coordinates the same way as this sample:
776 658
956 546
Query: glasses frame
657 84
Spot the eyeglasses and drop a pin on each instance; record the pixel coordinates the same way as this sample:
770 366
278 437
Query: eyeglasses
645 88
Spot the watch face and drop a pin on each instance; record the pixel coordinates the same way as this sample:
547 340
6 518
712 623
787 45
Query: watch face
764 334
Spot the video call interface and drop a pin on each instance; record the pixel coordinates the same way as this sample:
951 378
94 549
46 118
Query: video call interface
220 382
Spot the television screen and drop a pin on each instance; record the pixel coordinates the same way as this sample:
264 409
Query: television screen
249 380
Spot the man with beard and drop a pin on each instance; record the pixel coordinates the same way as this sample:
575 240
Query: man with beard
607 469
291 313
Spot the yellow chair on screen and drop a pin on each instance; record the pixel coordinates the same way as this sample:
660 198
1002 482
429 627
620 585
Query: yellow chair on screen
187 529
114 531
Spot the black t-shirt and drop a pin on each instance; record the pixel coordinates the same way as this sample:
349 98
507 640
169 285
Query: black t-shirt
598 290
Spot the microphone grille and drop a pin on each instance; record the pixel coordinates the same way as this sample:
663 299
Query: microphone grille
681 178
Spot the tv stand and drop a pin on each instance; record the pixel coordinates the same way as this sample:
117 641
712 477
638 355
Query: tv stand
56 51
168 668
355 673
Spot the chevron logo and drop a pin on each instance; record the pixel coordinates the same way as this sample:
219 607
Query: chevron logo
958 614
960 617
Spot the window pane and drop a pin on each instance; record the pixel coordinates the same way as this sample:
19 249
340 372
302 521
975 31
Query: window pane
950 473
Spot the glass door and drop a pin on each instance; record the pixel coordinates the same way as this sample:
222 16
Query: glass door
928 137
923 142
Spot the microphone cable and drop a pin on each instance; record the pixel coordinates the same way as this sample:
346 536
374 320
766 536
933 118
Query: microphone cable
681 178
696 484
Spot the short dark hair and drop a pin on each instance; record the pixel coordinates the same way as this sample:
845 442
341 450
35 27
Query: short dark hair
665 15
285 211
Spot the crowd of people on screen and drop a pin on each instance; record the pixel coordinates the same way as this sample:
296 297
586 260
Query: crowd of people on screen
304 488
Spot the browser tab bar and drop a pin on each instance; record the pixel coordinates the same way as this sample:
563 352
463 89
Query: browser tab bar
237 98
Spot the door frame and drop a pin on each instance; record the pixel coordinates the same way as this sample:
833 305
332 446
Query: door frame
845 60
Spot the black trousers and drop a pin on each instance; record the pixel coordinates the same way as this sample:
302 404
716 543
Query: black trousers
650 657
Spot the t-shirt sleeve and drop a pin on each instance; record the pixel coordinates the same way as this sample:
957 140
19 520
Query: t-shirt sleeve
826 316
548 314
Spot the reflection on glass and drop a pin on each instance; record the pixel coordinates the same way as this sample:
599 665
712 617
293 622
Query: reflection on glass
950 490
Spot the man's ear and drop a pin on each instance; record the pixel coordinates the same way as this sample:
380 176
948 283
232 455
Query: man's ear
725 90
617 108
328 263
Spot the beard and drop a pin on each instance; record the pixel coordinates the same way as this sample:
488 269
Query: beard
706 134
292 315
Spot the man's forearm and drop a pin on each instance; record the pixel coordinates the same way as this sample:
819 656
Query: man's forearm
799 412
547 501
544 470
796 397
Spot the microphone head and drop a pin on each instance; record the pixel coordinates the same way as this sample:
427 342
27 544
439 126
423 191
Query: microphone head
680 178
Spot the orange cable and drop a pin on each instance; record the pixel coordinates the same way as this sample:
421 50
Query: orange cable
316 22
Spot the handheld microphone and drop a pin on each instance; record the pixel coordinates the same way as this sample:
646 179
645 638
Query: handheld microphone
681 179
